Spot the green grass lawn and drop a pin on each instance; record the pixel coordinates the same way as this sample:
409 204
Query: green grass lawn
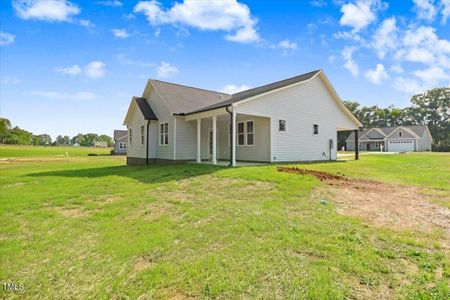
14 151
91 227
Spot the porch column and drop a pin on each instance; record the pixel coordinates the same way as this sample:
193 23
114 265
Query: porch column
233 139
214 140
199 144
356 145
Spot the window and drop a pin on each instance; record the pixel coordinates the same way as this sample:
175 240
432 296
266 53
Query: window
122 145
315 129
142 135
241 134
399 134
130 135
164 133
281 125
250 133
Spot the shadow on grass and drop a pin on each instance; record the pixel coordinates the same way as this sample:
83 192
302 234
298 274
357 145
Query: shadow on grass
145 174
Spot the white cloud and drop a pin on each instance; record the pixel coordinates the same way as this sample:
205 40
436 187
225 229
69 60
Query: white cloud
233 89
6 38
425 9
95 69
123 59
76 96
349 63
445 11
86 23
397 68
166 70
360 14
121 33
432 76
377 75
227 15
408 85
70 70
385 38
318 3
286 44
9 80
113 3
46 10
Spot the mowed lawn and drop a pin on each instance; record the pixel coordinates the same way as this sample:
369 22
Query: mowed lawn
92 227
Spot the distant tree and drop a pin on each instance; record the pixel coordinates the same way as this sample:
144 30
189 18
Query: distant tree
5 126
19 136
59 140
89 139
78 139
66 140
107 139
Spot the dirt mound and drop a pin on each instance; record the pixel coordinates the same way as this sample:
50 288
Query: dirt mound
320 175
386 205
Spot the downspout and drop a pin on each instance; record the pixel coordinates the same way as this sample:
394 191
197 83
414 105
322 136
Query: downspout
231 136
146 147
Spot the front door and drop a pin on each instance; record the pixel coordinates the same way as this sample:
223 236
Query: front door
368 146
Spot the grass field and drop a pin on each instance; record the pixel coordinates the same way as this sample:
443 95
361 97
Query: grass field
91 227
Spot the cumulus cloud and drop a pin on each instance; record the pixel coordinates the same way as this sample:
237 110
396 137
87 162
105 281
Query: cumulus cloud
377 75
7 80
445 10
361 13
425 9
166 70
86 23
287 44
349 63
70 70
233 88
94 69
113 3
385 37
408 85
228 15
6 38
121 33
432 76
46 10
318 3
54 95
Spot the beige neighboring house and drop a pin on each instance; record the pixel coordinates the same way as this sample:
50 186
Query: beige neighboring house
100 144
296 119
408 138
120 141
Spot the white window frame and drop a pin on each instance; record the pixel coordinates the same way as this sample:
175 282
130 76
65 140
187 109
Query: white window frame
122 145
142 135
238 134
245 133
130 135
164 133
285 125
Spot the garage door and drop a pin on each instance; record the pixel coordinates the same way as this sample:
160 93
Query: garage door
401 146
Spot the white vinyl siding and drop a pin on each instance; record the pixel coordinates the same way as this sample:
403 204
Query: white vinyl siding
301 106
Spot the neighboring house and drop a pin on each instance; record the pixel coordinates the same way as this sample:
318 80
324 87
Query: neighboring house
296 119
100 144
120 141
392 139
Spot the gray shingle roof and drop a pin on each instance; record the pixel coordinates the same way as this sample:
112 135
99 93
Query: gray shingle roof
145 108
417 129
118 134
181 99
255 91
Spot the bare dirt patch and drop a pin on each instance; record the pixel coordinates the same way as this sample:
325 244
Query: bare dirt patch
73 212
395 206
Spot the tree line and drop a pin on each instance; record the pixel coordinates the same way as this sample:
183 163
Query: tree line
431 108
18 136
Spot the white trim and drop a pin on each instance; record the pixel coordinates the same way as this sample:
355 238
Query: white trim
199 143
246 133
237 133
214 141
174 138
405 129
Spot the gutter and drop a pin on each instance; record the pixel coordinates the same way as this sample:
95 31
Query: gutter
146 147
231 135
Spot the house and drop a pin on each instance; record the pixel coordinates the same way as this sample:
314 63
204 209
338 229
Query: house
405 138
100 144
296 119
120 141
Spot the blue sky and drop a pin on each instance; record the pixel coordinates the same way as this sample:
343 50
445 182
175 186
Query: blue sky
71 66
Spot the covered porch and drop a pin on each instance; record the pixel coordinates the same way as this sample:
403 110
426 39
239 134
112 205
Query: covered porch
225 137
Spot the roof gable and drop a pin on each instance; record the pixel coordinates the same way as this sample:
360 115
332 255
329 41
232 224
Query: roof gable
118 134
143 106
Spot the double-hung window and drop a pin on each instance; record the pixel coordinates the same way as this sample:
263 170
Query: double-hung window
250 133
130 135
281 125
241 133
315 129
142 135
164 133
